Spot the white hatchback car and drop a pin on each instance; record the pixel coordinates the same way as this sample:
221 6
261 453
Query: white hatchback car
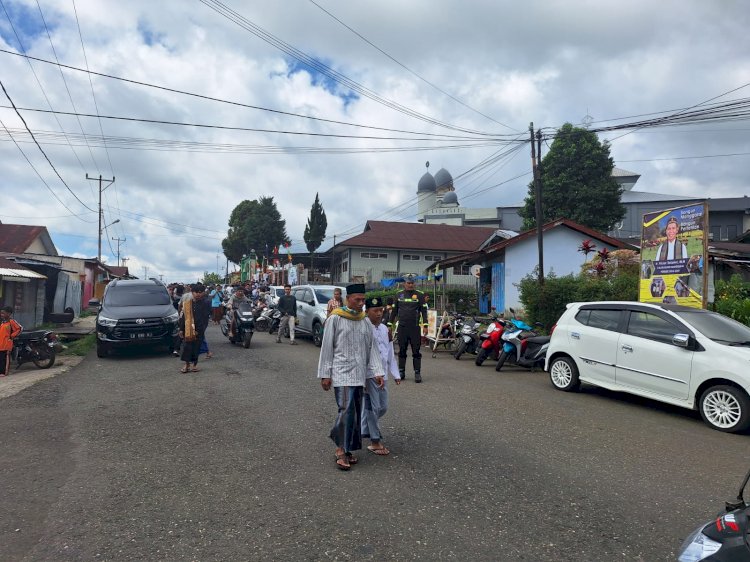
689 357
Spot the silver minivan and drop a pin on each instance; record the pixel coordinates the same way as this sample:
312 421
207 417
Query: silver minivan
312 304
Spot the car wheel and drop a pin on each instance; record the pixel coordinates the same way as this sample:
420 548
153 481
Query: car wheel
101 349
317 334
725 408
564 374
460 350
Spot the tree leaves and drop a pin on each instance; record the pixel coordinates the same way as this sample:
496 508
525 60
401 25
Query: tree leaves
254 225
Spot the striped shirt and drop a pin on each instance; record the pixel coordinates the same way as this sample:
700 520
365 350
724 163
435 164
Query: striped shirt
349 353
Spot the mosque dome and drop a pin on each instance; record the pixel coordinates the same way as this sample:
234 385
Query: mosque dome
444 180
426 183
450 198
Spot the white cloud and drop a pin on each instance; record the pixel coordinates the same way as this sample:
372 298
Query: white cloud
547 62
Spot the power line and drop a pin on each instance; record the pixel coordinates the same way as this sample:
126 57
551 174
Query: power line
321 68
234 103
422 78
40 147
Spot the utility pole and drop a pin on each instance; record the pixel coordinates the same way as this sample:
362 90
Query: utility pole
537 199
118 248
333 258
101 215
145 272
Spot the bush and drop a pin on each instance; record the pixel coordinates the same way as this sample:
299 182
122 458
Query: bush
733 299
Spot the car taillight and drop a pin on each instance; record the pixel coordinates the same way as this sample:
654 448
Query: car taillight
552 330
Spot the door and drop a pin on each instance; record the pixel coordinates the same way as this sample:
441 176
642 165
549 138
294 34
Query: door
648 361
593 335
304 310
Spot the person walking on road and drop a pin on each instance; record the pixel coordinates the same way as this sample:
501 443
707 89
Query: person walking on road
196 314
376 397
348 357
335 302
9 329
288 307
217 309
411 314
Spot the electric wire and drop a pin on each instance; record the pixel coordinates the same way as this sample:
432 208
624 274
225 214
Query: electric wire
235 103
422 78
40 147
324 69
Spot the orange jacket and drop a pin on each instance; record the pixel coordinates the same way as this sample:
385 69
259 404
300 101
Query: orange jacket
9 330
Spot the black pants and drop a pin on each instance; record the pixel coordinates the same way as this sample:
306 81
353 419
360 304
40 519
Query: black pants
4 362
409 335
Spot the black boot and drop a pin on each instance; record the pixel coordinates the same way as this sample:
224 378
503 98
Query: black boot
402 374
417 376
402 367
417 362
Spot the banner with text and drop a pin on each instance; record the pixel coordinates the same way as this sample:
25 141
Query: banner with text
673 256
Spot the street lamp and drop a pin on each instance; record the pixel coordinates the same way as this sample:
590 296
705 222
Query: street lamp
101 230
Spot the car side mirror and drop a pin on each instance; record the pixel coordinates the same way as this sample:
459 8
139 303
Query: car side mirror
311 303
94 303
681 340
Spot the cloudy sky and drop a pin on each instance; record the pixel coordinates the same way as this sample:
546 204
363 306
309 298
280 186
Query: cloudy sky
455 83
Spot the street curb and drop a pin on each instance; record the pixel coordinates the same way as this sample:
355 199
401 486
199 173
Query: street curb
21 379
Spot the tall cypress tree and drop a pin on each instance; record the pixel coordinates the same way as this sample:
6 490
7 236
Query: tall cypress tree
315 230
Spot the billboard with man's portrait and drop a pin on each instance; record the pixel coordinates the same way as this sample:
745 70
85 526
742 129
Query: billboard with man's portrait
673 256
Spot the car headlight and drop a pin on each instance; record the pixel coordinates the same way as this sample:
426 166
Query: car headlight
697 546
172 318
106 322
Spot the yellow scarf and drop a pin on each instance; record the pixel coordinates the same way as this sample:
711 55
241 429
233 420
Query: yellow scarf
348 313
187 310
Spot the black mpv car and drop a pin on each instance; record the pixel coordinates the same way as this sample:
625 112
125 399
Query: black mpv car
134 312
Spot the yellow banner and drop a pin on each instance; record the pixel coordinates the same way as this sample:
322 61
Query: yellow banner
673 256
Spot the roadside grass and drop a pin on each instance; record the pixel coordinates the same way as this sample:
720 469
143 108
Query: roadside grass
81 346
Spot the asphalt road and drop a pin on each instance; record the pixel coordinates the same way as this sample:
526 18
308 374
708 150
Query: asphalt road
125 458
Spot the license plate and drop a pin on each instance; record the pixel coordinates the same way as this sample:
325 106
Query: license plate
141 335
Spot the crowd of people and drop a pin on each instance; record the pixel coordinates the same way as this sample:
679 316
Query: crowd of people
357 352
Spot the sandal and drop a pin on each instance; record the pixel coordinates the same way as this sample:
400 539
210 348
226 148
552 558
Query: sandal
381 451
195 369
184 370
351 458
342 463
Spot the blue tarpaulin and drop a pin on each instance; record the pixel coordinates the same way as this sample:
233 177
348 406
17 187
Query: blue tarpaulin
387 283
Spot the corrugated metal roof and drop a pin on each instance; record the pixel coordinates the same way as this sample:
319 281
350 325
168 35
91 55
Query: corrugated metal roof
22 273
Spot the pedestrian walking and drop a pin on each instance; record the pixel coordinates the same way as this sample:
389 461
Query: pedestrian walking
288 306
217 296
9 329
335 302
348 357
411 315
376 397
196 313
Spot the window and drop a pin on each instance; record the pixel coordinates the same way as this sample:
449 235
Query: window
715 233
411 257
432 258
390 274
373 255
464 269
583 316
604 319
345 267
652 327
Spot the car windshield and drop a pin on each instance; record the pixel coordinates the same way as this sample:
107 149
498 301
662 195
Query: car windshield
136 296
324 295
717 327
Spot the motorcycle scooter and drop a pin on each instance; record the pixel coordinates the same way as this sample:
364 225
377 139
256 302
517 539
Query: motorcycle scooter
522 346
244 324
723 539
491 341
468 337
39 347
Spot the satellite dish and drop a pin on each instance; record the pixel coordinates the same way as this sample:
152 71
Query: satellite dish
475 269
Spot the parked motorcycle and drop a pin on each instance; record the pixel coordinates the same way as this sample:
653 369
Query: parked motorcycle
723 539
491 342
468 336
40 347
522 346
270 319
244 324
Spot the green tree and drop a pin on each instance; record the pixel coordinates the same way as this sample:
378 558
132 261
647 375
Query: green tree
254 225
577 182
315 231
211 278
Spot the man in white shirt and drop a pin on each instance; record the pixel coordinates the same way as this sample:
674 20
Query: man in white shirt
672 249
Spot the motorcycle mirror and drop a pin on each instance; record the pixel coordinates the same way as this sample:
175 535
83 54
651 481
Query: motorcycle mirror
512 311
740 501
